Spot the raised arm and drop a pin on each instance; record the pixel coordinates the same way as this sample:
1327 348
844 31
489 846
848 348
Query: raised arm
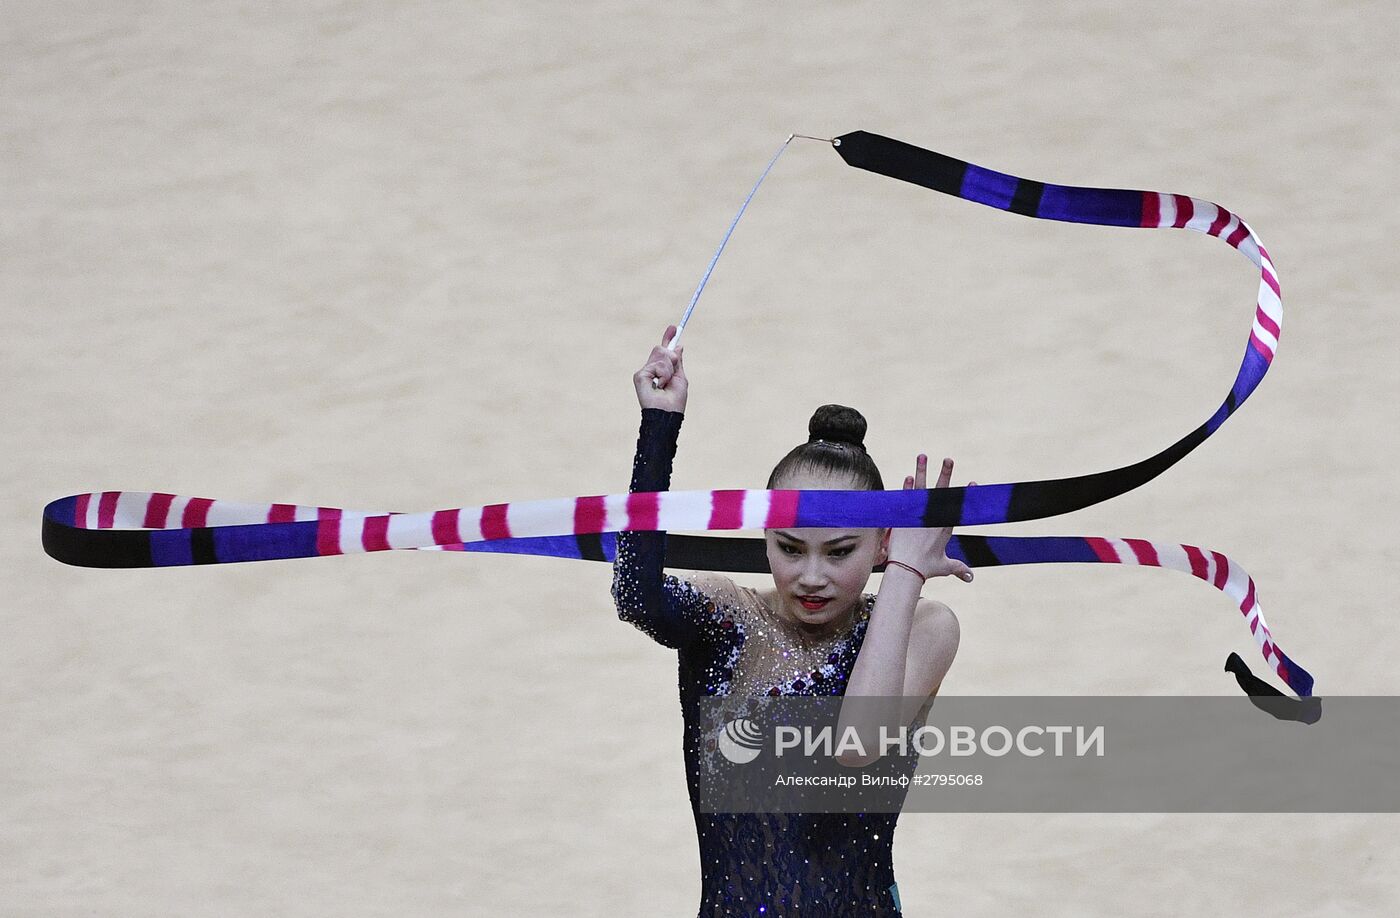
667 608
910 641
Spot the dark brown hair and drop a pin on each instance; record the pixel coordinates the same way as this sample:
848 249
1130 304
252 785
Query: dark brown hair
835 446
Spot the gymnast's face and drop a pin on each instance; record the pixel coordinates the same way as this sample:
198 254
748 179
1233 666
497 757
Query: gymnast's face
823 564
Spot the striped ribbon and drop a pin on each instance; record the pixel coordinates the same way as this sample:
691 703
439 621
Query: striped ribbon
142 529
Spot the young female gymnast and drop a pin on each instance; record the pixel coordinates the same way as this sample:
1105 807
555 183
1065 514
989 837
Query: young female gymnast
813 633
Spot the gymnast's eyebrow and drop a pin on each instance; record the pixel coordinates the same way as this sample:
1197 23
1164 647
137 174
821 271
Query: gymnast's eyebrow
794 538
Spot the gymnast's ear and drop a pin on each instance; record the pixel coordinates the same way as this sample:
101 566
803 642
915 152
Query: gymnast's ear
883 554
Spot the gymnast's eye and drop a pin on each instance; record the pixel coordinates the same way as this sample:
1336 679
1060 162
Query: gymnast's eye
841 552
786 549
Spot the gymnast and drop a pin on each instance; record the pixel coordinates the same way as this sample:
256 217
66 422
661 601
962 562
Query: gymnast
815 632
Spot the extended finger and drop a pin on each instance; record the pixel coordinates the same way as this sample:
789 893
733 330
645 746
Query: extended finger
945 474
908 482
921 472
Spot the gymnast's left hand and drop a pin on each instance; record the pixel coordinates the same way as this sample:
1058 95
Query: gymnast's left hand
926 549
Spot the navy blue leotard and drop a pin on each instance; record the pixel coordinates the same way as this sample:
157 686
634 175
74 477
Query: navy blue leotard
751 864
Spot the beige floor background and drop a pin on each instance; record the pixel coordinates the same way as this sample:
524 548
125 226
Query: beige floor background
407 256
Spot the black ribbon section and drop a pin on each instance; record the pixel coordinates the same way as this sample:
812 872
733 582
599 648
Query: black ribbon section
107 548
717 553
903 161
1269 699
750 556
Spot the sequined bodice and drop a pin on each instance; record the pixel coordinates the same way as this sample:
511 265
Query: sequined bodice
729 642
774 660
752 652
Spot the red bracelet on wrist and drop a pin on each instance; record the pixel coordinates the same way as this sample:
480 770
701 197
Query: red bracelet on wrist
907 568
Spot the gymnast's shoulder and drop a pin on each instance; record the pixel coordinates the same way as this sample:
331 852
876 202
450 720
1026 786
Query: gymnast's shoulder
711 584
936 624
719 593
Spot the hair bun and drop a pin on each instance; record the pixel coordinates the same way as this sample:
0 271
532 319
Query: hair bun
837 424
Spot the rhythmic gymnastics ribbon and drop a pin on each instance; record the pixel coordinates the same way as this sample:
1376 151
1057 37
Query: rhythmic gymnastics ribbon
142 529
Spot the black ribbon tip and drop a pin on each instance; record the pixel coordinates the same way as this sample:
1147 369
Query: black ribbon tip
1269 699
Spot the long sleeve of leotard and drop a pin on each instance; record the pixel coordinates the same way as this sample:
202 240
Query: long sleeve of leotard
667 608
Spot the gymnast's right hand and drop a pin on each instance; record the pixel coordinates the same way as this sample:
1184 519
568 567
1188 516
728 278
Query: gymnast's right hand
668 369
